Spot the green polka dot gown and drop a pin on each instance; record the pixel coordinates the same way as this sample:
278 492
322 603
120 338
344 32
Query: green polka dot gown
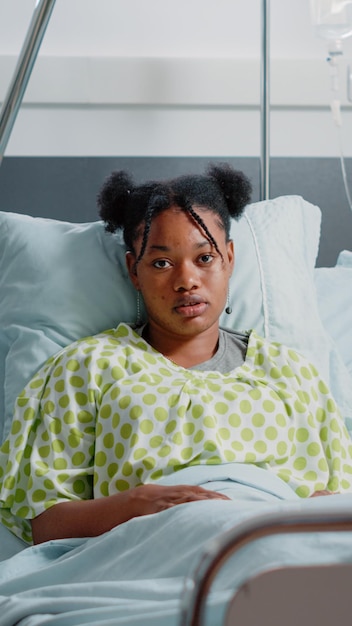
109 413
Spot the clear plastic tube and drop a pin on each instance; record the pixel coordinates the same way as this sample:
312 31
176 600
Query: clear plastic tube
335 106
343 166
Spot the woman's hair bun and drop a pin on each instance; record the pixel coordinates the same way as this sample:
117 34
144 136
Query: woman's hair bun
235 186
113 199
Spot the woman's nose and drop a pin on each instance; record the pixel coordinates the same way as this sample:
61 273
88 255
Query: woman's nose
186 277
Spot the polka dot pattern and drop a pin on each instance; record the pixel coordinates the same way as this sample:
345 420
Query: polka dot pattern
92 426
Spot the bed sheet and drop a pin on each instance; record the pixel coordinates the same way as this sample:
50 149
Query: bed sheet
134 574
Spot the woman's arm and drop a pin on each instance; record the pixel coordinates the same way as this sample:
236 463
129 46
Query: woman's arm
89 518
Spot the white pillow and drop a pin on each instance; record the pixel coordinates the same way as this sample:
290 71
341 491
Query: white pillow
61 281
334 296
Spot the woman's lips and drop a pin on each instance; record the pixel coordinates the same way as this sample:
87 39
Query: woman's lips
191 307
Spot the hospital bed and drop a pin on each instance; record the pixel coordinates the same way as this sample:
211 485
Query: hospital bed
263 557
145 571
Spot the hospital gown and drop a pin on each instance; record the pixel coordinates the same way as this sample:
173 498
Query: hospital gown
109 413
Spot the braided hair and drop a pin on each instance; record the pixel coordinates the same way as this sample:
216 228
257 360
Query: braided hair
132 208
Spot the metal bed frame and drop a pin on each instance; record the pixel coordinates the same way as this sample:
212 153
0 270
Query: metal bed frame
264 599
250 600
23 70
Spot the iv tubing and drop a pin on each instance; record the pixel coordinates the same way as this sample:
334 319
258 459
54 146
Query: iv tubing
336 111
343 169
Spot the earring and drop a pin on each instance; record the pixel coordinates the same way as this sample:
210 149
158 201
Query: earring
138 320
228 309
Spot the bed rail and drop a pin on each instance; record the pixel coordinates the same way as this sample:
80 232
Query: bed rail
221 548
25 63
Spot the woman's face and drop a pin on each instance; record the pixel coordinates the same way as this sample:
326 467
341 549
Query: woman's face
182 278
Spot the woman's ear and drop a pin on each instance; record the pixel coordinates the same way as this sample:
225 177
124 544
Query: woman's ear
132 268
231 254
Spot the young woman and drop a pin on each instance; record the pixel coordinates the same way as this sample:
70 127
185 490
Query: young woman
105 421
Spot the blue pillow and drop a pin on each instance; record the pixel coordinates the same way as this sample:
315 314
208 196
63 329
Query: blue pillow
58 282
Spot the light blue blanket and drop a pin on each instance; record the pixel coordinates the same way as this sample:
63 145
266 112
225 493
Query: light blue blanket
134 575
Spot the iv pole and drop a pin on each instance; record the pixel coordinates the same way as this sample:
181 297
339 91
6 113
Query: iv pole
265 103
13 99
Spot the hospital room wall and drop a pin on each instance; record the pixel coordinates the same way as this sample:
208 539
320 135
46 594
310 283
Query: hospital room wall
163 87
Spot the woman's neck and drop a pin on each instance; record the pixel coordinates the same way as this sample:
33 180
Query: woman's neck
184 351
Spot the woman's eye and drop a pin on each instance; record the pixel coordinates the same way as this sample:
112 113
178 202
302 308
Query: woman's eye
206 258
161 264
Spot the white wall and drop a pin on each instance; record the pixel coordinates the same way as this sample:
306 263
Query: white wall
159 77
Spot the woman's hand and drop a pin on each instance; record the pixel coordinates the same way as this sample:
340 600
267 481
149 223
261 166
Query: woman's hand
89 518
154 498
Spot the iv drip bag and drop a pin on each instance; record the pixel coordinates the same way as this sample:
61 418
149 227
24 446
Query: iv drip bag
332 19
